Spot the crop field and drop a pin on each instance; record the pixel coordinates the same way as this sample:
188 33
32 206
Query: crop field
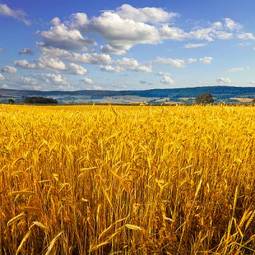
127 180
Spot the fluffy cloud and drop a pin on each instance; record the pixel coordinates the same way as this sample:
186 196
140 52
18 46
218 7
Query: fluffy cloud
25 64
51 63
231 24
145 15
166 79
77 69
65 36
111 69
217 30
246 36
2 77
26 51
8 69
20 15
126 64
87 81
223 80
168 32
127 26
122 33
206 60
56 79
132 64
86 58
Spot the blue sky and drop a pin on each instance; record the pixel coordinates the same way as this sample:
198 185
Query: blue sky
73 45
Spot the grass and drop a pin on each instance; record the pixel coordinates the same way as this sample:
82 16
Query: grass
127 180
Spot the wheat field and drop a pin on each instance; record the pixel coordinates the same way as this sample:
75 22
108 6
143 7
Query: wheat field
127 180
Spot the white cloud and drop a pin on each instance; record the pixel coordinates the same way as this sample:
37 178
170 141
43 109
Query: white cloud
25 64
223 80
79 21
86 58
166 79
178 63
77 69
132 64
55 79
231 24
216 31
145 15
90 58
20 15
117 50
111 69
206 60
2 77
127 26
65 36
87 81
26 51
122 33
194 45
51 63
8 69
246 36
168 32
181 63
238 69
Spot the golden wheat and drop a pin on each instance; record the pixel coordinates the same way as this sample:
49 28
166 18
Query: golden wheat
127 180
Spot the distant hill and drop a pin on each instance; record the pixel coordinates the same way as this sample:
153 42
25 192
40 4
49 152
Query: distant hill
220 93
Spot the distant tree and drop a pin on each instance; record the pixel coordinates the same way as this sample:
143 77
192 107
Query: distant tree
205 98
40 100
11 101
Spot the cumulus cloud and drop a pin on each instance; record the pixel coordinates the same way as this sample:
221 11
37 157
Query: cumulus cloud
26 51
25 64
111 69
86 58
223 80
122 33
8 69
127 26
146 15
221 30
246 36
65 36
20 15
56 64
87 81
167 32
77 69
166 79
231 24
132 64
56 80
51 63
2 77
